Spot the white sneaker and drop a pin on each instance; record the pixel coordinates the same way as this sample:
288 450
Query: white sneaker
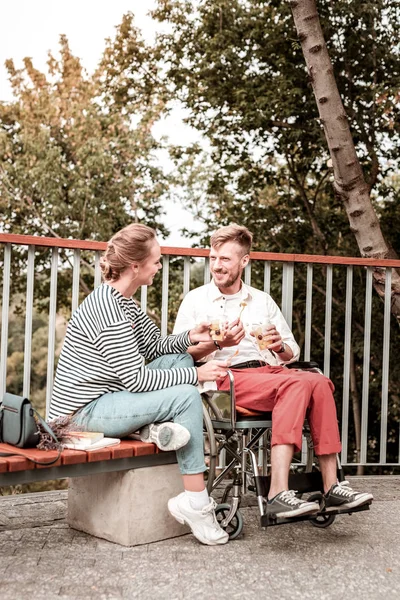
167 436
203 523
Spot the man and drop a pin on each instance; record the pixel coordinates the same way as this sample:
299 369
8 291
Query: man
261 380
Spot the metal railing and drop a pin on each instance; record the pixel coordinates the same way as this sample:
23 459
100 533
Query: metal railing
328 301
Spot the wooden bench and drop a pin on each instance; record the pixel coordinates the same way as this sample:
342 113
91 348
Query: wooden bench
118 493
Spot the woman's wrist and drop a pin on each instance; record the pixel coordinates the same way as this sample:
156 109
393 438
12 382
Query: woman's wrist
192 342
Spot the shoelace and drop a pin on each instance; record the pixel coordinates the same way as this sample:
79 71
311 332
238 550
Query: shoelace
210 509
343 489
291 498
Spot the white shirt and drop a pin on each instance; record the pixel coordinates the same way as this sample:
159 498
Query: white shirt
207 300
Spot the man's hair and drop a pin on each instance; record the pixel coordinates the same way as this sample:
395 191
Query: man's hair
232 233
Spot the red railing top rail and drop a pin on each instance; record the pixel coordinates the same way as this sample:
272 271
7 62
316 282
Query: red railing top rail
32 240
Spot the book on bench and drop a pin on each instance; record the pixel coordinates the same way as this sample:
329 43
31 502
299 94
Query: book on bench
82 437
88 445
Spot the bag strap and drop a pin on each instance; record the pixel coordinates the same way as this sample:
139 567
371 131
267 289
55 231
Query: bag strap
47 428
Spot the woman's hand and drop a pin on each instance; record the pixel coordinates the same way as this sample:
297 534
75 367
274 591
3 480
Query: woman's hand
200 333
212 370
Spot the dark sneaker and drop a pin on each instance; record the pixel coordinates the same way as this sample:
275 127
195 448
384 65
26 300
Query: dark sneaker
342 496
287 504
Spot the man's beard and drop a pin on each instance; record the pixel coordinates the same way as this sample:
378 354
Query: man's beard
231 279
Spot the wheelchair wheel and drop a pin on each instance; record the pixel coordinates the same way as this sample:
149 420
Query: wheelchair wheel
210 449
324 519
234 528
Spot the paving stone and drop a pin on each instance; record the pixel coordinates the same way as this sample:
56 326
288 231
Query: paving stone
357 557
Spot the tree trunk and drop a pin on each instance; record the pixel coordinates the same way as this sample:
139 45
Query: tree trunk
349 183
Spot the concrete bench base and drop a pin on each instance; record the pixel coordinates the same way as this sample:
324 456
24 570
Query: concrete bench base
128 507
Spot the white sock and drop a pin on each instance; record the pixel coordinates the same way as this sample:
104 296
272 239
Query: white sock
198 500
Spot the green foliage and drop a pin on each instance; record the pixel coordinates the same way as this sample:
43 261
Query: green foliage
73 161
38 349
239 69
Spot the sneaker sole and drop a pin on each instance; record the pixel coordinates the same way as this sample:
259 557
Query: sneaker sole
297 512
367 498
181 519
178 440
174 444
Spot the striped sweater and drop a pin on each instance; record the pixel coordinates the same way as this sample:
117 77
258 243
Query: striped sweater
106 341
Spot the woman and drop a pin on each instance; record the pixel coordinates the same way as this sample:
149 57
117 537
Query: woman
102 380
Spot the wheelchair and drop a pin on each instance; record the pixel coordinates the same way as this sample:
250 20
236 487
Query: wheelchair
237 445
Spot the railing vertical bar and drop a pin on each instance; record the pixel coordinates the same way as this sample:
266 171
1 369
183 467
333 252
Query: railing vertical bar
287 292
143 298
328 320
247 274
366 363
97 270
28 322
164 302
207 274
267 276
346 367
309 293
186 275
385 366
75 279
4 317
52 328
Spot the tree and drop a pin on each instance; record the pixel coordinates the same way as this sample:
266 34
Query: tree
77 160
236 66
72 162
350 185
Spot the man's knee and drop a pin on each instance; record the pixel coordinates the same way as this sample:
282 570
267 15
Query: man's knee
294 385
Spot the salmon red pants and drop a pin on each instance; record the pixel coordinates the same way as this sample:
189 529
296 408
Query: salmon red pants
291 395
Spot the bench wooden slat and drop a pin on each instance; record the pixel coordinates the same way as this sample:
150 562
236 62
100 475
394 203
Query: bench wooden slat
98 455
73 457
123 450
19 463
143 449
126 449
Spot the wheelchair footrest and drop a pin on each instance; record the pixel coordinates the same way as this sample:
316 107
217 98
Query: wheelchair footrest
268 520
301 482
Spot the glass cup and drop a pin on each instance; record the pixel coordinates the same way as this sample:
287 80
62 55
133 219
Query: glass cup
217 324
261 334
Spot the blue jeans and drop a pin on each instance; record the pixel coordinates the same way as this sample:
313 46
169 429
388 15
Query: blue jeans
117 414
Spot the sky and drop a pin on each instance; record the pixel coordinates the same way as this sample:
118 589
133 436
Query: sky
33 27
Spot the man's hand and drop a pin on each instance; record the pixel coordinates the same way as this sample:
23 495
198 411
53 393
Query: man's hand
275 343
212 370
233 334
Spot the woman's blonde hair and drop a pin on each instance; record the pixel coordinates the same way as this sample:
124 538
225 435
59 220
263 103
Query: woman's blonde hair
131 244
233 233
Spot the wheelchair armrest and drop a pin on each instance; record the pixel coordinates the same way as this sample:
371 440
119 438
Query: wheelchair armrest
303 364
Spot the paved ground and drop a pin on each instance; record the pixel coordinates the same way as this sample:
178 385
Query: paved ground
356 558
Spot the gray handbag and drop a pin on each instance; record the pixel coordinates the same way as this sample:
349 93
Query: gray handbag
17 422
18 427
